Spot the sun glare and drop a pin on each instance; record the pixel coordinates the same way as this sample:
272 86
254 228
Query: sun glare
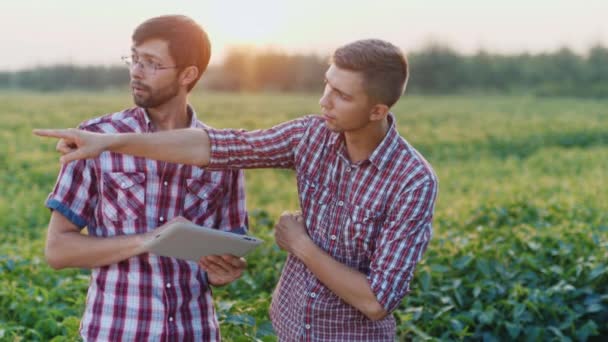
254 23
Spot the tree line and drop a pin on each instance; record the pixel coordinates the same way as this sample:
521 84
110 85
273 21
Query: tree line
435 69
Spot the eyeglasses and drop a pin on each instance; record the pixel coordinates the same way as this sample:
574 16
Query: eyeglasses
147 66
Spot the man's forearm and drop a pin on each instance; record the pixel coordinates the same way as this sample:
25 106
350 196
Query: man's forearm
183 146
72 249
66 247
349 284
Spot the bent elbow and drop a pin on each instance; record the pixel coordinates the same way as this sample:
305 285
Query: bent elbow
54 262
377 315
376 312
53 259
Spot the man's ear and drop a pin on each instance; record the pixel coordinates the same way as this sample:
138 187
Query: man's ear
188 75
378 112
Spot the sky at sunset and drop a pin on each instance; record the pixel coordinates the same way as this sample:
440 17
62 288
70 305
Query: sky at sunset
36 32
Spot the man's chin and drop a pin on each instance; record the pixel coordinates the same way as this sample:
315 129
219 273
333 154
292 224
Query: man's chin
139 101
331 127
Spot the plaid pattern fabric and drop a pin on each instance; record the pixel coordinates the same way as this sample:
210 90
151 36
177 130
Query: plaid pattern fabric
374 216
146 297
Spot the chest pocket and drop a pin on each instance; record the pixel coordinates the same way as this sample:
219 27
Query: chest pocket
124 196
202 198
316 206
360 235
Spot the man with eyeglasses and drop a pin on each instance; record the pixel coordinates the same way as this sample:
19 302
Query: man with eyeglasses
122 200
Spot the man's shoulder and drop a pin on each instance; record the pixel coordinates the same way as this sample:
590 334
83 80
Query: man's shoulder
315 134
314 124
413 166
128 120
314 120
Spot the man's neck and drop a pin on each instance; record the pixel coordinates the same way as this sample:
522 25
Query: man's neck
361 144
170 115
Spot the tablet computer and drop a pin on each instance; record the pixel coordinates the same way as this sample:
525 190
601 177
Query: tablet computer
188 241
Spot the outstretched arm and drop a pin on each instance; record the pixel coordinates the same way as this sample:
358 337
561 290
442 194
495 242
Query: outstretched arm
183 146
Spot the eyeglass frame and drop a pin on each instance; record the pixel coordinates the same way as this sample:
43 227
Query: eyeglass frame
146 67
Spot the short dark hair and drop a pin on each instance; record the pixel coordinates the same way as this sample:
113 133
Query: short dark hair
188 42
383 65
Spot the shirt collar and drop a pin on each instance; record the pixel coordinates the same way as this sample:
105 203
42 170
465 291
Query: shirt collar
150 127
384 151
381 154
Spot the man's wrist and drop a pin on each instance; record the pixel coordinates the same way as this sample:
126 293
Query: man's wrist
139 240
303 248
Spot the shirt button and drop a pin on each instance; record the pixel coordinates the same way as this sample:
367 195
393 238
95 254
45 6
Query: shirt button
162 219
171 319
348 169
168 285
313 295
333 237
165 183
307 326
340 203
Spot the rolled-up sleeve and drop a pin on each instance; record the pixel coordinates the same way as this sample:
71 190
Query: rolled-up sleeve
403 240
75 194
265 148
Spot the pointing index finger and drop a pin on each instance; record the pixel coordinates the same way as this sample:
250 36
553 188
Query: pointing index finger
53 133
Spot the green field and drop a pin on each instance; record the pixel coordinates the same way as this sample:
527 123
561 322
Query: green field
520 246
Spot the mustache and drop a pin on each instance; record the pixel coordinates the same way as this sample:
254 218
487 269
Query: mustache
139 85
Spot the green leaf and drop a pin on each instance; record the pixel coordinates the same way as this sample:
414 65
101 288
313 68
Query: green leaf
596 272
457 326
486 317
439 268
462 262
443 310
425 280
532 333
264 329
596 307
240 319
518 310
588 329
224 305
513 329
484 267
457 296
558 333
415 311
419 333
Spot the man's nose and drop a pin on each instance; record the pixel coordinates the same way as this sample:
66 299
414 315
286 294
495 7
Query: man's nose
136 71
324 100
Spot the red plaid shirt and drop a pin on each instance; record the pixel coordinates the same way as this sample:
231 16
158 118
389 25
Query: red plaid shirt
146 297
374 216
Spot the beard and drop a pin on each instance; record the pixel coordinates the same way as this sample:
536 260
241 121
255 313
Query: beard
153 98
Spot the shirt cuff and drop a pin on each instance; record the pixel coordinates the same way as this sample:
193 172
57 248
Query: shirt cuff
54 204
216 159
389 301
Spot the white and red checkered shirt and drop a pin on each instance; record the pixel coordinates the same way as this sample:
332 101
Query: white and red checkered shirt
146 297
374 216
